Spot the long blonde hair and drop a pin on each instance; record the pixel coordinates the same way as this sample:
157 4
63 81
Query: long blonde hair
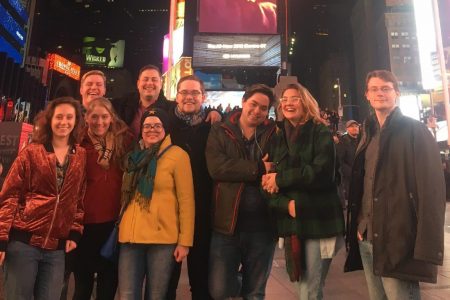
310 107
118 128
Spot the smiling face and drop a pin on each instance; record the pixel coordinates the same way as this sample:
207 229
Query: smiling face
255 110
381 95
149 85
63 121
99 120
190 97
152 131
92 87
291 106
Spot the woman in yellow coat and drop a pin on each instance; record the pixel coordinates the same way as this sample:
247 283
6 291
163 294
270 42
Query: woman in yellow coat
157 226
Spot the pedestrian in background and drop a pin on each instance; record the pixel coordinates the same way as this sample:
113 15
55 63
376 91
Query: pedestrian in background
41 209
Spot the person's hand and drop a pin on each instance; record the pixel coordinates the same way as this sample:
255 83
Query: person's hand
291 208
359 235
269 183
2 257
268 165
70 245
213 117
180 253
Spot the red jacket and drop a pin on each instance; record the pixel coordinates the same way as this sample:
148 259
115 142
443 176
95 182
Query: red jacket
32 210
102 198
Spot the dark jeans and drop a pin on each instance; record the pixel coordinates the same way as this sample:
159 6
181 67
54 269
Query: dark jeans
152 262
254 251
32 271
87 261
198 268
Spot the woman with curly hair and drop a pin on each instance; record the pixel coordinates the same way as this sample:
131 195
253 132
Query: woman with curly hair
106 142
304 194
41 208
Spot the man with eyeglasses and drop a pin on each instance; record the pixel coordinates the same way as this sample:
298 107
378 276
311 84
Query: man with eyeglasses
149 86
397 198
243 232
190 131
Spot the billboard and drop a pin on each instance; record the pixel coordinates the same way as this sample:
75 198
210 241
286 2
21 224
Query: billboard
238 16
103 52
182 68
63 66
13 30
237 51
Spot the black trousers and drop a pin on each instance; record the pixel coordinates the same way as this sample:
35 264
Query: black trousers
87 262
198 267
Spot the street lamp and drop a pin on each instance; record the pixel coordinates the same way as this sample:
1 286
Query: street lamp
337 86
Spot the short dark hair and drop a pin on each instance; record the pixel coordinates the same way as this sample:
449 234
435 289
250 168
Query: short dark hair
193 78
385 75
149 67
262 89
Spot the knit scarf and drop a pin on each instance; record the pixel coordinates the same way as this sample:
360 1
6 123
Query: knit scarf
139 175
191 119
104 147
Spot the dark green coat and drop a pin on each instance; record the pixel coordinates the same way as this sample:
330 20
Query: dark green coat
306 174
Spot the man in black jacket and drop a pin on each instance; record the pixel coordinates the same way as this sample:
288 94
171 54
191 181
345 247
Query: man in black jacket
190 132
397 198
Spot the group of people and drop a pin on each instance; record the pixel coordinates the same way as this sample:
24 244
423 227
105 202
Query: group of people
180 182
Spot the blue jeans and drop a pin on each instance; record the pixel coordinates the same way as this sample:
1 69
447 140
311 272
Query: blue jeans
316 270
31 271
385 287
154 262
254 250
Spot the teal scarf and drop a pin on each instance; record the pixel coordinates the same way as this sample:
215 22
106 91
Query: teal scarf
139 176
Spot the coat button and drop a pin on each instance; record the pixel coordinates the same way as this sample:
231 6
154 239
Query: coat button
375 235
375 199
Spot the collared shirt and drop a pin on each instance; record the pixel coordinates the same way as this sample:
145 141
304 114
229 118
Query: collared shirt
366 215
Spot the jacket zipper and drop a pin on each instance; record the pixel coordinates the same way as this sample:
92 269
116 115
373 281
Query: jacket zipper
53 220
238 200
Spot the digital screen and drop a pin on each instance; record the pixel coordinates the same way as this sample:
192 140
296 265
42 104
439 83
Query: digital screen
10 51
12 27
238 16
212 81
19 8
103 52
237 51
444 12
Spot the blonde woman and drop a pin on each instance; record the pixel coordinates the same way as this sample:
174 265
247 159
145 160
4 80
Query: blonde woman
303 190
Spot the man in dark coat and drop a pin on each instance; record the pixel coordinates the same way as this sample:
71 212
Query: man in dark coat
242 229
190 132
346 149
397 198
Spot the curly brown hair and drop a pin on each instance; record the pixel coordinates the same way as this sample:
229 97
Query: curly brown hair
43 133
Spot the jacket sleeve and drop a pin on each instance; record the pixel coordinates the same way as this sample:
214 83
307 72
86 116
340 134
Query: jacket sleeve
13 187
185 195
319 173
76 229
222 166
430 202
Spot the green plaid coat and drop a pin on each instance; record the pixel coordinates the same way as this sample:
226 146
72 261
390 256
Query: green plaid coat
306 173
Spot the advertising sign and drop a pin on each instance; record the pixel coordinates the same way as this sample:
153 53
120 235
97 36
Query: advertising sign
237 51
64 66
182 68
103 52
238 16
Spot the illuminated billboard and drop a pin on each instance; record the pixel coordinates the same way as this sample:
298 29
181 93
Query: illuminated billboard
63 66
444 12
181 69
238 16
426 38
237 51
13 30
103 52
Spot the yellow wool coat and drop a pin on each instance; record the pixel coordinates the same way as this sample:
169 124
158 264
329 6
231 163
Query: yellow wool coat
170 217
